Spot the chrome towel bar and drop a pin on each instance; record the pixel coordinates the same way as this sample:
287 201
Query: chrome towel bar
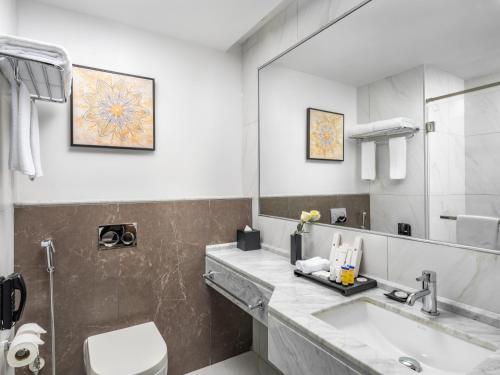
448 217
259 305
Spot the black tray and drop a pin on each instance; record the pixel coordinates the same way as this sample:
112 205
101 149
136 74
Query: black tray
344 290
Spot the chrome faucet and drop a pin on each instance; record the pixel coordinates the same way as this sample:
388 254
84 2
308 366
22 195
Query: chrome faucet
428 294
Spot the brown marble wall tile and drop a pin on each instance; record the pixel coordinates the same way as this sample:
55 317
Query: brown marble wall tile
292 206
159 280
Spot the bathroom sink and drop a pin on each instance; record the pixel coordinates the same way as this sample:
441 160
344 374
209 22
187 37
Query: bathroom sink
396 336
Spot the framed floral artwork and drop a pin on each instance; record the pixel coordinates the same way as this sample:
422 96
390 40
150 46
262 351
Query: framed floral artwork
113 110
325 135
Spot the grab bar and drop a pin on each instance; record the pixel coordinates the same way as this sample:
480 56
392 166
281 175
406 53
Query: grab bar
448 217
257 306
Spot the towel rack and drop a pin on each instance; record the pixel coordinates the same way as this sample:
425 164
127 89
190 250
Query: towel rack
50 89
384 134
449 217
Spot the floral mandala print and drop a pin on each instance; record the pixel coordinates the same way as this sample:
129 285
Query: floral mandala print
115 111
326 135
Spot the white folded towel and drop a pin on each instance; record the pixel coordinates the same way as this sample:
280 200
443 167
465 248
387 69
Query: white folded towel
313 265
39 51
393 123
20 156
397 158
325 275
478 231
368 161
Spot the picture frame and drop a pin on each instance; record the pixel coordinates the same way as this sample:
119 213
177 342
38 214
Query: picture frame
325 135
130 122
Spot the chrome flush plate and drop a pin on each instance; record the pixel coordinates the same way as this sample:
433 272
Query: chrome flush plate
114 236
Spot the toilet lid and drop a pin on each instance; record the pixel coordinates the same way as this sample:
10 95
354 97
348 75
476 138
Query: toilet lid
138 350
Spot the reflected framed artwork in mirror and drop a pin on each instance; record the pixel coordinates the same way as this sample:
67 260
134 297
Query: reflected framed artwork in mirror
325 135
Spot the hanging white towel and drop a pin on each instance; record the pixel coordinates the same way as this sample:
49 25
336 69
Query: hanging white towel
24 151
21 157
35 141
478 231
14 97
368 161
397 158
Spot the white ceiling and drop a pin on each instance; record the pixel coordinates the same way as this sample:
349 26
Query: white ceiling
214 23
389 36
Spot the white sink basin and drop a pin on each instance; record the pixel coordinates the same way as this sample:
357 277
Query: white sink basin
395 336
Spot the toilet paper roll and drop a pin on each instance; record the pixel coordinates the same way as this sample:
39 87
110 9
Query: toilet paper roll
23 350
31 328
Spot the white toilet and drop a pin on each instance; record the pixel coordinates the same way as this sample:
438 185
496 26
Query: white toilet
136 350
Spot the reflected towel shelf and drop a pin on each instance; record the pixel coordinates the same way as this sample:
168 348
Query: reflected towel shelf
385 134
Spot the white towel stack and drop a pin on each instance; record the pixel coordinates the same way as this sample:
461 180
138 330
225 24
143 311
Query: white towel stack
24 154
313 265
397 146
39 51
392 123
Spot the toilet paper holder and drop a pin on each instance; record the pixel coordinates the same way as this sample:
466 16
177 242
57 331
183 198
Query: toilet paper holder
34 367
5 345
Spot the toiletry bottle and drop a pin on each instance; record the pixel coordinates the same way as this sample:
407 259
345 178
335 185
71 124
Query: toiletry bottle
357 255
339 262
345 275
351 274
333 256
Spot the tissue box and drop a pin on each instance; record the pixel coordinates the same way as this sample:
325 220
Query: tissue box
248 240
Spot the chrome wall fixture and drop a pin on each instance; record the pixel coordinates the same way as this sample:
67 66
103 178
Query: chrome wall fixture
114 236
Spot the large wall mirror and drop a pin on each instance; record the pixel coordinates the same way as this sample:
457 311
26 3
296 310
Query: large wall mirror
389 120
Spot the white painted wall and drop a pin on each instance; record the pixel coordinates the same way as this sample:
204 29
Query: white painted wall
285 95
198 116
8 17
393 258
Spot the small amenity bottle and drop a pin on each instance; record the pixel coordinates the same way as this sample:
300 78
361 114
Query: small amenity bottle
345 275
351 275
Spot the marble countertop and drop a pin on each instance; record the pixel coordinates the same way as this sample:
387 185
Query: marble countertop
294 300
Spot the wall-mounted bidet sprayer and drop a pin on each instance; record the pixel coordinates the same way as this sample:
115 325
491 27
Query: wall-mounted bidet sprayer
48 246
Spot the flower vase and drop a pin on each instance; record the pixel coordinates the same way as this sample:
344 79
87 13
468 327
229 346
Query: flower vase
295 247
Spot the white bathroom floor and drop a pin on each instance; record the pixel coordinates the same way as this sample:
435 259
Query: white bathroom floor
243 364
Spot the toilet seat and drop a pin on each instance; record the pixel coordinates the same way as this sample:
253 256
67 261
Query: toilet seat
136 350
